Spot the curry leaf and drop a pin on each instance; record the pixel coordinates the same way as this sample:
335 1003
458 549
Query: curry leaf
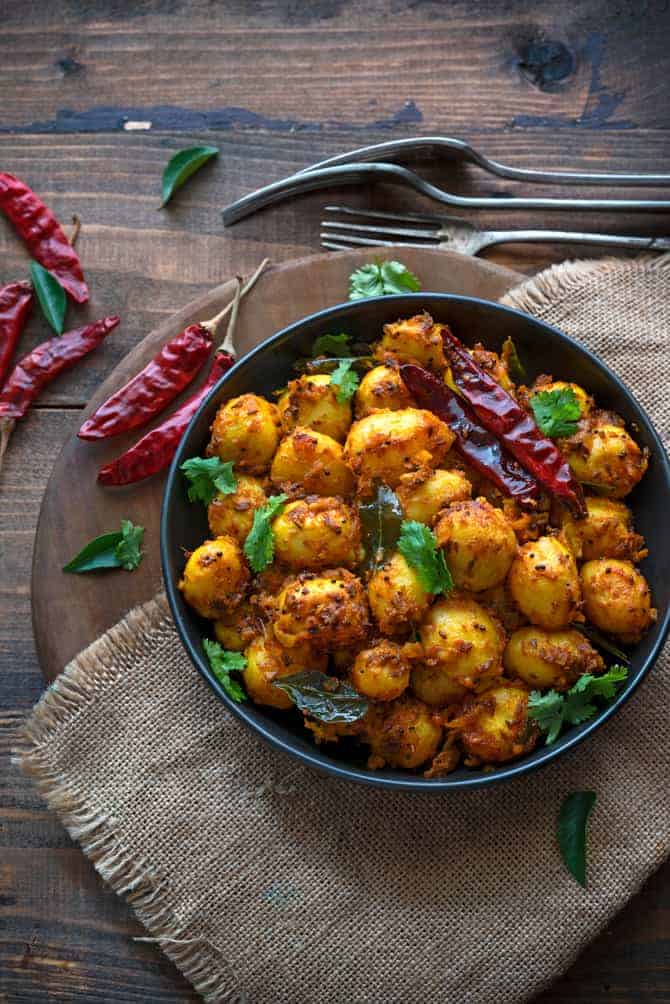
323 697
180 168
381 519
571 831
51 296
510 357
118 549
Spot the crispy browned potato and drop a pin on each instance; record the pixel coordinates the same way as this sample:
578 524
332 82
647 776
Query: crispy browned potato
403 733
233 515
317 533
478 542
544 583
396 595
311 402
381 672
381 389
550 659
326 610
215 577
385 445
495 365
493 726
617 598
268 661
236 628
425 492
413 340
310 463
604 456
246 430
607 531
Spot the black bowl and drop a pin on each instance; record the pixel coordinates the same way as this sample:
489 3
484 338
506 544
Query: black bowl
545 350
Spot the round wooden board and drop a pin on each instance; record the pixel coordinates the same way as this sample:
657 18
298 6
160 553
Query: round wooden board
71 611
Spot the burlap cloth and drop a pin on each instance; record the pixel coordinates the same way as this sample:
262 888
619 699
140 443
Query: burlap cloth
266 882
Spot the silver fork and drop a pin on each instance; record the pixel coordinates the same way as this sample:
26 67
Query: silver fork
455 234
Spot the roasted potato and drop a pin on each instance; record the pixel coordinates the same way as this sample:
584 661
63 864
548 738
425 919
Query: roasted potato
310 463
617 598
385 445
268 661
311 402
425 492
403 733
381 672
233 515
478 542
326 610
317 533
236 628
396 596
414 340
495 365
215 577
605 457
544 583
246 430
381 389
493 726
550 659
607 532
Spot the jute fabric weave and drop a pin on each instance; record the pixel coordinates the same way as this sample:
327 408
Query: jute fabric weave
267 883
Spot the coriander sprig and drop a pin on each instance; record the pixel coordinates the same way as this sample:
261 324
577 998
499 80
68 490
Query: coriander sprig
418 546
552 710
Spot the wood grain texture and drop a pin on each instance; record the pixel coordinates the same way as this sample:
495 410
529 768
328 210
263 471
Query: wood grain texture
276 84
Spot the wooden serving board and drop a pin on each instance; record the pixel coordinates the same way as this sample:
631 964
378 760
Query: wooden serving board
70 611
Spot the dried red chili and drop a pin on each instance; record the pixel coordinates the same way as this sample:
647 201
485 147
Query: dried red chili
43 235
502 415
476 444
154 451
16 300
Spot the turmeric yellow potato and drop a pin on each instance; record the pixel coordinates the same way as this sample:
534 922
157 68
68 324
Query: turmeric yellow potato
617 598
267 661
544 583
385 445
403 733
381 389
246 430
550 659
236 628
215 577
413 340
311 402
607 531
396 596
478 542
424 493
381 672
499 602
318 533
328 610
463 646
605 457
310 463
493 726
232 515
496 366
545 383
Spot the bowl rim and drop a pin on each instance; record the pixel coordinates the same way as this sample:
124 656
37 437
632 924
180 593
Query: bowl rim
314 758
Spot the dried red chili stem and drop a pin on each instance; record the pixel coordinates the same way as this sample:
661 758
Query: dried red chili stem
76 229
228 344
155 450
476 444
502 415
16 301
42 234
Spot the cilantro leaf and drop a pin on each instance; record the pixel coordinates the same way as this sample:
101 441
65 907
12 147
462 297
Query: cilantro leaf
418 546
382 279
222 663
601 686
129 548
552 709
381 519
331 345
208 477
259 547
547 711
556 412
118 549
345 379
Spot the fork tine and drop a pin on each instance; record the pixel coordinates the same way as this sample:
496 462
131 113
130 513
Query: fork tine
334 246
379 214
350 241
392 231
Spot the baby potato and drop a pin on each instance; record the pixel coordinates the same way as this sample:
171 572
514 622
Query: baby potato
550 659
232 515
546 383
496 366
403 733
381 672
478 542
328 610
544 583
604 456
385 445
463 647
267 661
236 628
493 727
318 533
311 402
246 430
500 603
396 596
311 463
215 577
381 389
607 531
423 493
617 598
413 340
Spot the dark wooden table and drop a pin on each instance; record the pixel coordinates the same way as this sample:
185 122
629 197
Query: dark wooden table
95 96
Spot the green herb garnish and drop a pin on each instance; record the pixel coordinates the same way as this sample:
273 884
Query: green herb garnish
259 547
418 546
331 345
381 519
510 357
222 663
323 697
345 379
51 296
180 168
551 710
382 279
571 831
118 549
208 478
556 412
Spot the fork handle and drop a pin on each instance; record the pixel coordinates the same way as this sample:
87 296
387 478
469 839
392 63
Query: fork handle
492 237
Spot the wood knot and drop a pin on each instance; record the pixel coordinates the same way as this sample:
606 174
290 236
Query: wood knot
546 63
